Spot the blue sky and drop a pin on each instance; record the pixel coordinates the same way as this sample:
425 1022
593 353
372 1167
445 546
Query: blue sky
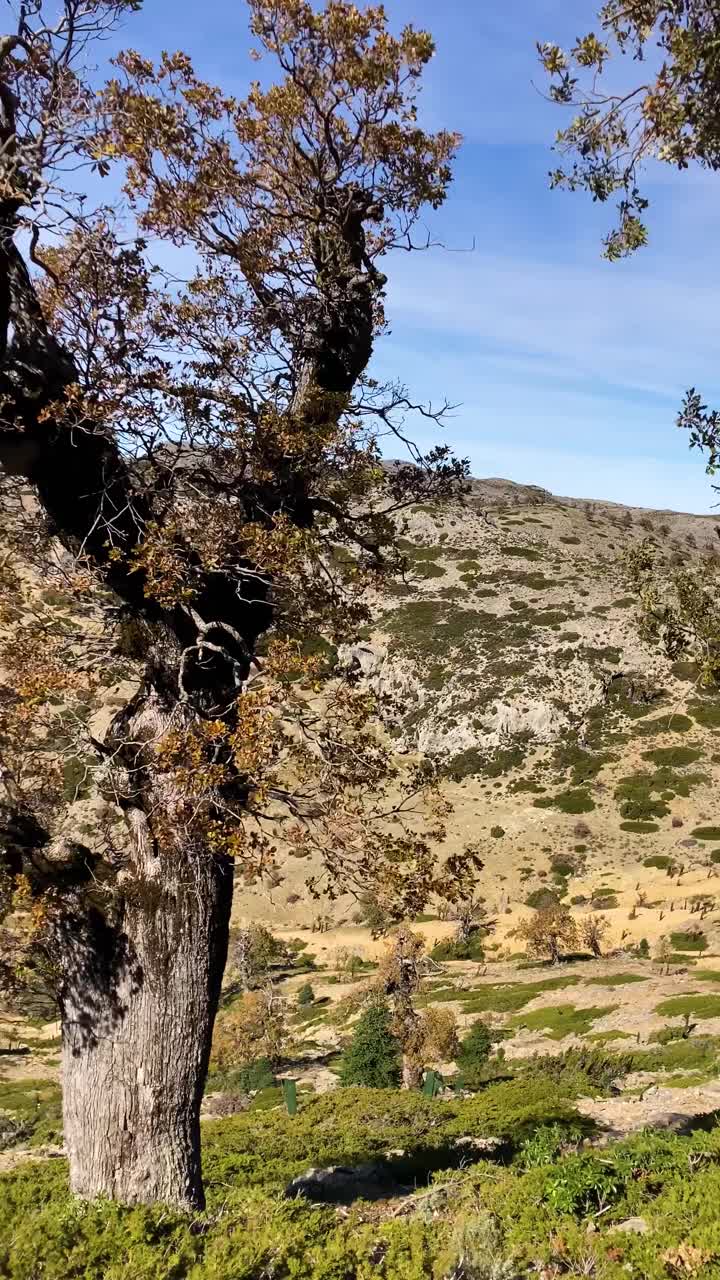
567 370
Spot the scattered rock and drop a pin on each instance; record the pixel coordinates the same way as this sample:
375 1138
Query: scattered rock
340 1185
633 1226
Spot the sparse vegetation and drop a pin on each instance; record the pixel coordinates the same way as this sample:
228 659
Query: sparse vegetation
559 1021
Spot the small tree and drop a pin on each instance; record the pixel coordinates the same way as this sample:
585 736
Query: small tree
474 1053
664 953
399 978
346 961
373 914
593 930
432 1039
306 995
373 1057
252 952
471 915
253 1028
548 932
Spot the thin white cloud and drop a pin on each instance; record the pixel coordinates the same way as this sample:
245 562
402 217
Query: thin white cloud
612 323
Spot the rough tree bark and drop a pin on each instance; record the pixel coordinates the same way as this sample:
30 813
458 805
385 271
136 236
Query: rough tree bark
138 1000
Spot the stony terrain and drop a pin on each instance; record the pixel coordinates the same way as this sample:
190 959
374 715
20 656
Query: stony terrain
571 751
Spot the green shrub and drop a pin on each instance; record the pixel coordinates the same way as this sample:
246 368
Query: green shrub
560 1020
35 1107
666 1035
663 724
706 833
642 950
692 940
428 569
501 998
523 553
603 901
706 713
306 995
465 765
707 975
497 832
640 828
254 1077
373 1058
673 757
635 795
576 800
563 867
474 1053
552 1211
541 899
659 860
582 1070
470 948
616 980
698 1005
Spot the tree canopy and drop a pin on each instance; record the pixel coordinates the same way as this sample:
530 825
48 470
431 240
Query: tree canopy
669 112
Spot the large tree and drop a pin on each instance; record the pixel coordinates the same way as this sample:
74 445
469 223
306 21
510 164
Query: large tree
184 390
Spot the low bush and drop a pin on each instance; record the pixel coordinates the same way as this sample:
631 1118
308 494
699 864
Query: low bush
542 898
575 800
659 860
616 980
560 1020
691 940
474 1054
698 1005
554 1210
470 948
582 1070
706 833
666 1035
34 1111
640 828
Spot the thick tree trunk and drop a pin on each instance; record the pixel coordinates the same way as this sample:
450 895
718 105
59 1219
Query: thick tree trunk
139 999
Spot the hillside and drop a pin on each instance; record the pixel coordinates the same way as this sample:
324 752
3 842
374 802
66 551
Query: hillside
572 753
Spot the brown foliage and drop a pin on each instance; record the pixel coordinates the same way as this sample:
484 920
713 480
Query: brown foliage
549 932
593 929
253 1028
237 424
